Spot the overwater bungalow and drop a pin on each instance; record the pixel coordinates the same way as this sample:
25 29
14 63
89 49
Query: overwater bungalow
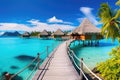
67 36
26 34
58 34
87 32
44 34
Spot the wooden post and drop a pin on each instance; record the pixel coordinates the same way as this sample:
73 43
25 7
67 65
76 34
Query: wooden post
81 66
88 42
66 44
91 43
38 59
79 42
7 76
47 51
67 47
72 53
98 42
83 43
52 46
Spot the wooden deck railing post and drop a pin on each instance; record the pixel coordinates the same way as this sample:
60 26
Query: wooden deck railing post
38 59
66 47
47 50
81 66
66 44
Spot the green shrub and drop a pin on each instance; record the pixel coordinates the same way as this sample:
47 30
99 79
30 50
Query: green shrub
110 69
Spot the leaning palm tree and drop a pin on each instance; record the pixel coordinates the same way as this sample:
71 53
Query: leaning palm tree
111 22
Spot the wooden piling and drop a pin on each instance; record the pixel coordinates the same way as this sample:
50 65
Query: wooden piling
83 43
7 76
47 51
38 60
81 66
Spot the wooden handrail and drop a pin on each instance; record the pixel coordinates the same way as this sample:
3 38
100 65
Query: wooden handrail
44 66
72 54
25 67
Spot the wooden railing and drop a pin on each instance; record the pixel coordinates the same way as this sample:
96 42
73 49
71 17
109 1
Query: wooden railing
43 67
73 57
37 60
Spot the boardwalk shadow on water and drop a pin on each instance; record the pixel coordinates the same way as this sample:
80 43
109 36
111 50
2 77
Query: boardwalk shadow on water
14 67
25 57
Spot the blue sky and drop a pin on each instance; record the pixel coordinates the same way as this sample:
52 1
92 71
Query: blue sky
31 15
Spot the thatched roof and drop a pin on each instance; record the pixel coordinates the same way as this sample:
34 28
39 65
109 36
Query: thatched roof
69 33
26 34
86 27
59 32
44 32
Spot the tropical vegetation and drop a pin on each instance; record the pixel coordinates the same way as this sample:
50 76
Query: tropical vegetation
34 33
110 20
118 2
110 69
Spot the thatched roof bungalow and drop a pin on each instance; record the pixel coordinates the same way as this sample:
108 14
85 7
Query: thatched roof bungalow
58 34
26 34
44 34
87 31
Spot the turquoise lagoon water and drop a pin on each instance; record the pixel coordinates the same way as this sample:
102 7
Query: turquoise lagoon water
12 47
93 55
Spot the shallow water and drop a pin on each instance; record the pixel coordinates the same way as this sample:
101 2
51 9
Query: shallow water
12 47
93 55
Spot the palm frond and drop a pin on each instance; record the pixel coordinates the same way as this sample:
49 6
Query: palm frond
104 28
117 15
116 26
118 21
118 3
110 20
105 13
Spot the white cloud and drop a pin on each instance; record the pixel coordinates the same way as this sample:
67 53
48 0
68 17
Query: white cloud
87 11
14 26
39 26
33 21
55 20
36 26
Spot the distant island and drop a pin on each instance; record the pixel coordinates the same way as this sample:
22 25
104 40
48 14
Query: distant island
10 34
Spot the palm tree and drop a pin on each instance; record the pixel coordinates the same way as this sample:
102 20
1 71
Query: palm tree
110 20
118 3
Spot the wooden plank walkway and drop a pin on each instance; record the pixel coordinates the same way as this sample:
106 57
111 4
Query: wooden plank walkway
60 67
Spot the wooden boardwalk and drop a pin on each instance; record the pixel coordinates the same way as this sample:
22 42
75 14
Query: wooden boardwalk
59 68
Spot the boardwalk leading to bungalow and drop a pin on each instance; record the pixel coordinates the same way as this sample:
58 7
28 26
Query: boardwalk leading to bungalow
60 67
